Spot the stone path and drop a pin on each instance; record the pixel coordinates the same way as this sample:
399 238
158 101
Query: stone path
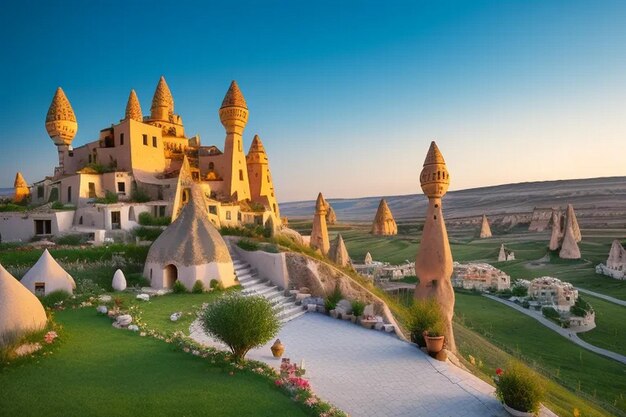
604 297
370 373
566 333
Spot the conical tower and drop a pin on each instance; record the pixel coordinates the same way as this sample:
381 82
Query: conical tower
133 109
61 125
384 224
234 117
573 222
485 230
433 264
368 259
162 102
331 216
338 252
261 185
557 231
22 191
183 188
319 233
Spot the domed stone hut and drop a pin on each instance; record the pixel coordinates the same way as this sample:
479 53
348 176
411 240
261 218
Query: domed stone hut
189 250
47 276
20 311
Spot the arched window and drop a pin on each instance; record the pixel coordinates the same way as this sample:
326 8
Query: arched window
211 166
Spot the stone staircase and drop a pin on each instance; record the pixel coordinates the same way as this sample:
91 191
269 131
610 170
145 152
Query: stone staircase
252 284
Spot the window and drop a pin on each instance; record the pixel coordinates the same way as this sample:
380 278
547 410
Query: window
121 138
213 209
121 188
211 166
239 215
43 227
80 220
116 220
90 158
145 140
40 289
92 190
239 145
40 191
69 194
240 175
154 141
228 215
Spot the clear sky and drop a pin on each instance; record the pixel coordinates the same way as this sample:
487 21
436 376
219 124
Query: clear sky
346 96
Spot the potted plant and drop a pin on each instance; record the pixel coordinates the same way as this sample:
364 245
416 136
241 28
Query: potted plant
519 390
434 337
425 317
358 307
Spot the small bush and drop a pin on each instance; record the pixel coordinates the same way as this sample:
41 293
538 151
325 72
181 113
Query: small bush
242 323
139 195
109 198
248 245
179 288
425 316
71 240
147 233
525 304
57 205
331 301
519 388
88 287
147 219
214 284
11 207
550 313
198 287
519 291
270 248
55 298
358 307
581 308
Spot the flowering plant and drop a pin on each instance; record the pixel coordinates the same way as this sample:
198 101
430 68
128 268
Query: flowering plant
519 388
50 336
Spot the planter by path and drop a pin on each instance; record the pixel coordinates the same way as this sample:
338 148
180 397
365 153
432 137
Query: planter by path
517 413
434 344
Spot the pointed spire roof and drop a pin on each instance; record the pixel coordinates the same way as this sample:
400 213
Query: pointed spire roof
162 96
234 97
257 145
60 108
20 311
485 230
133 109
48 271
320 205
338 252
191 239
434 155
20 182
569 247
384 223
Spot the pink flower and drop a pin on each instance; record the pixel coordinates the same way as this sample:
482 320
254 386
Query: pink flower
499 371
279 382
50 336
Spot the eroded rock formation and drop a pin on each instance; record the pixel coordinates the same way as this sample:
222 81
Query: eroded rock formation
22 192
319 233
338 252
485 230
384 223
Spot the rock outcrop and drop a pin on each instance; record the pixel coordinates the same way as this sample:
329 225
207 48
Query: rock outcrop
319 233
485 230
331 216
557 232
617 257
338 252
569 247
22 192
565 233
540 219
119 281
384 223
505 254
368 259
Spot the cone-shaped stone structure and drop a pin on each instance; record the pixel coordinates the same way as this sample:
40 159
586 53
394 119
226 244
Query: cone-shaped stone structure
571 220
617 257
234 97
261 184
368 259
485 230
433 264
20 311
557 232
190 249
162 102
384 223
569 247
331 216
319 233
47 276
338 252
502 254
119 281
133 108
61 120
22 191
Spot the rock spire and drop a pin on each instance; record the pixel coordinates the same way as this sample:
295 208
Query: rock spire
485 230
384 223
338 252
319 233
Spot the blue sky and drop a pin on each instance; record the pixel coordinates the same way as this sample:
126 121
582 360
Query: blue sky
346 96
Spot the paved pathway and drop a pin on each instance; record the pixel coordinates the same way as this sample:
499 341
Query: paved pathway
370 373
604 297
560 330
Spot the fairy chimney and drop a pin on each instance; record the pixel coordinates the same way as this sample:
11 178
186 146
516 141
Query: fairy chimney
319 233
485 230
384 223
433 264
617 257
22 192
557 232
571 237
331 216
338 252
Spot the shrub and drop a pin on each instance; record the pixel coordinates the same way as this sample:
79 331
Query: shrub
519 388
581 308
270 248
147 233
179 288
109 198
331 301
550 313
55 298
214 284
525 304
519 291
358 307
242 323
198 287
139 195
425 316
11 207
248 245
147 219
57 205
88 287
71 240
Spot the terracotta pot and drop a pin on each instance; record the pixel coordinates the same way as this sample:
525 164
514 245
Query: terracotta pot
434 344
278 349
516 413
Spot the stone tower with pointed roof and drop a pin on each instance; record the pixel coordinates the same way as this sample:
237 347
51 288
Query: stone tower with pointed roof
485 229
162 112
384 224
319 233
61 125
331 216
183 188
433 264
234 117
133 109
261 184
22 191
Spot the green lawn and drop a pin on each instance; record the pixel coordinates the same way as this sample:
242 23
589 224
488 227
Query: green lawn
602 379
610 331
101 371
